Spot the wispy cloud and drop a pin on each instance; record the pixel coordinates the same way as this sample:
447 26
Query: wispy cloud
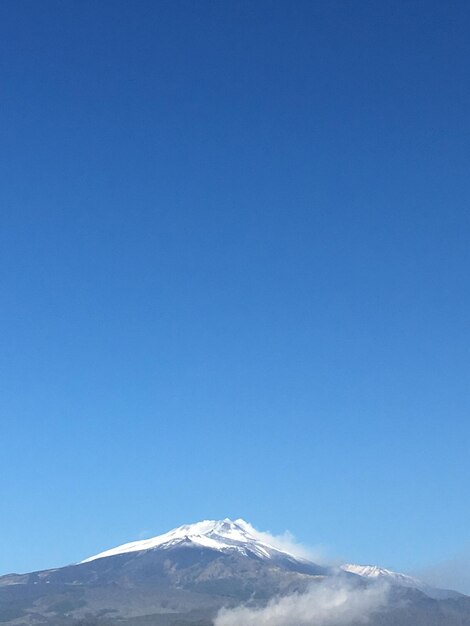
287 543
324 604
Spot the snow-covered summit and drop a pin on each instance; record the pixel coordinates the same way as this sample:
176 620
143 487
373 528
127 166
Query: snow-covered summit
224 535
396 578
373 571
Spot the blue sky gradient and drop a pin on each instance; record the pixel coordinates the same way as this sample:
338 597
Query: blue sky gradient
234 263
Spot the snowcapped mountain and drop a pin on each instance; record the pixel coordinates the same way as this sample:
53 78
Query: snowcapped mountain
223 536
396 578
185 576
373 571
240 537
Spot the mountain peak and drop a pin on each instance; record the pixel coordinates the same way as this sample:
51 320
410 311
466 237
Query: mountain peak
373 571
224 535
398 579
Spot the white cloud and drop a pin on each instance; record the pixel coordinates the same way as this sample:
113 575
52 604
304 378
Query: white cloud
324 604
287 543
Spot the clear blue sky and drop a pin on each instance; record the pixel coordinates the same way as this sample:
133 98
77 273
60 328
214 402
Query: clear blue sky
234 259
